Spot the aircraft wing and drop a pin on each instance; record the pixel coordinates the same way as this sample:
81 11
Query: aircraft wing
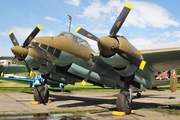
162 59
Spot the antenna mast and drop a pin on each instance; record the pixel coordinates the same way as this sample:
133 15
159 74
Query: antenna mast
70 18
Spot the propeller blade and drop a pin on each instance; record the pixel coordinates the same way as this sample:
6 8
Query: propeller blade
173 81
89 73
86 34
13 38
2 74
4 71
29 69
120 20
14 58
32 35
132 59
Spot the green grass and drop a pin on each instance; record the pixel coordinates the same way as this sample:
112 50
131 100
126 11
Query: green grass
15 86
9 86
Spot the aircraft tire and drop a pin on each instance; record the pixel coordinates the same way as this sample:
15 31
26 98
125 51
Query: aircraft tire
37 96
122 102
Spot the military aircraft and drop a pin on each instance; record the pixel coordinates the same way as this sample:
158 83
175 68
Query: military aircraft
8 66
68 58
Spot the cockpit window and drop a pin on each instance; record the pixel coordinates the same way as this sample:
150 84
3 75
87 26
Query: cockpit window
62 34
57 53
50 49
44 46
76 39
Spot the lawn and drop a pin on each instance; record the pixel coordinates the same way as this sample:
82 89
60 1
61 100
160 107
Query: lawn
15 86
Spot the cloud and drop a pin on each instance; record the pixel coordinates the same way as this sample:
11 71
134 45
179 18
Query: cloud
22 33
93 44
174 34
146 14
51 19
153 43
73 2
143 14
95 10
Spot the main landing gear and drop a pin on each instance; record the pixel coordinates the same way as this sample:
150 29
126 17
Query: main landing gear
41 92
124 98
123 102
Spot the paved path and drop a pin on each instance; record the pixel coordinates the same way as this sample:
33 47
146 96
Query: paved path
97 105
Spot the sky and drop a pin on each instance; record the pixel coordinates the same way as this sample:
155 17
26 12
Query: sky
150 24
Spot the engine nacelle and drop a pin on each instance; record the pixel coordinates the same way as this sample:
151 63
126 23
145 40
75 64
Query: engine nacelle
121 65
125 45
106 43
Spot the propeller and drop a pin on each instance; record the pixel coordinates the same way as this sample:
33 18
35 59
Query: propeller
30 71
32 35
4 71
89 73
108 46
132 59
173 81
13 38
21 52
120 20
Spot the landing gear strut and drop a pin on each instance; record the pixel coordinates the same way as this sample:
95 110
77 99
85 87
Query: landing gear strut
124 98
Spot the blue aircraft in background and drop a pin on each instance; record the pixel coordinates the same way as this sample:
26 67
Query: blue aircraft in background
34 82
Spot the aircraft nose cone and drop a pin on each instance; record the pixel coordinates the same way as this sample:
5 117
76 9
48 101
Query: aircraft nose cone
19 52
105 44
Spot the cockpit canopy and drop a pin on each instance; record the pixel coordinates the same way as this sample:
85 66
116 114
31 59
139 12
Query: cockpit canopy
76 39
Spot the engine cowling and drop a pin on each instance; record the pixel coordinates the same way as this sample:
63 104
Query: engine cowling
122 66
